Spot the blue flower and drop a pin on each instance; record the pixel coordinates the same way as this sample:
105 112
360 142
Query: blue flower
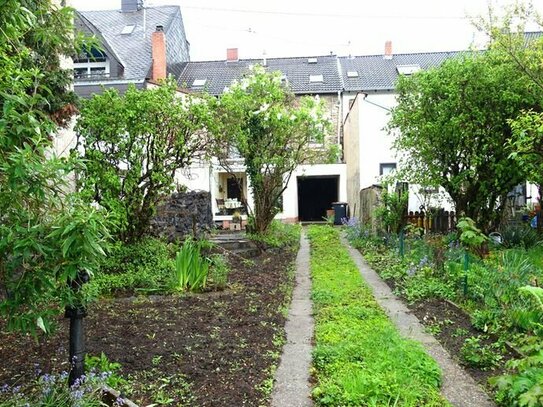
78 394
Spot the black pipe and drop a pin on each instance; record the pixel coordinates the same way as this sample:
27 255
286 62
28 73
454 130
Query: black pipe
76 314
77 343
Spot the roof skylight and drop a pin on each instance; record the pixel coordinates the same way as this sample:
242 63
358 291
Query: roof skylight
352 74
128 29
316 78
407 69
311 60
198 83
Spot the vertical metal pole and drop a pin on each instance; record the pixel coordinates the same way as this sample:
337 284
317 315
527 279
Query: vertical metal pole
466 267
77 343
76 313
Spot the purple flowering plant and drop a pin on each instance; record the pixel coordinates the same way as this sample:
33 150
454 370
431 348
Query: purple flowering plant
52 390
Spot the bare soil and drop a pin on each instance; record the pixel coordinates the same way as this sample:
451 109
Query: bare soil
211 349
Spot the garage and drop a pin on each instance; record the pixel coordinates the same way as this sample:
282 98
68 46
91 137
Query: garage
315 196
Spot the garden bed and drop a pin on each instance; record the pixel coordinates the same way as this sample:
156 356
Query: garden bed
211 349
480 316
452 326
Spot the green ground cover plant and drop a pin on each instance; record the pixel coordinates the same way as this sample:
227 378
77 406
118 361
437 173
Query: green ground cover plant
149 266
360 359
279 234
142 267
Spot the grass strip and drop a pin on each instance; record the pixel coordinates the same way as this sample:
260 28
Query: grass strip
360 359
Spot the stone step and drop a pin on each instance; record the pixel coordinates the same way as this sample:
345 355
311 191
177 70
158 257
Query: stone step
246 253
235 244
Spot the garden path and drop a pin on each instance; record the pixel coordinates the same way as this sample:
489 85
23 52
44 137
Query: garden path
292 387
458 387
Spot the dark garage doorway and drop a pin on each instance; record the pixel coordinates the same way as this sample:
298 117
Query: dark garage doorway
315 196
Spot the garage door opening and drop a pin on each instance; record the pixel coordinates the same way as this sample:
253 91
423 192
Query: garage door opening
315 196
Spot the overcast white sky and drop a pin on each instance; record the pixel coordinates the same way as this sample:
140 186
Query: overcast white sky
317 27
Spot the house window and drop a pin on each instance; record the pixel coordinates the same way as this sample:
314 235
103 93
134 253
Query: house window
352 74
407 69
386 168
128 29
316 78
93 65
198 83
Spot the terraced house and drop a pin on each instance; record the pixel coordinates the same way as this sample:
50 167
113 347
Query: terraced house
127 39
142 45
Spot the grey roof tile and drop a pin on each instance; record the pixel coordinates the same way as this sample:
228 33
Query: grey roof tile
221 74
377 73
133 50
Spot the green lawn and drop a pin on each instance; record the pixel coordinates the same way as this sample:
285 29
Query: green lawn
360 359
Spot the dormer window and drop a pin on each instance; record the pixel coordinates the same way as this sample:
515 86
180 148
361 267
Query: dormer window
316 78
407 69
311 60
352 74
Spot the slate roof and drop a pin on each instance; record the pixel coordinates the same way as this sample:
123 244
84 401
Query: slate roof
377 73
132 51
220 74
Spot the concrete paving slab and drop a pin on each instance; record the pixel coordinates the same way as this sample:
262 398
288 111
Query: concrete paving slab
292 387
458 387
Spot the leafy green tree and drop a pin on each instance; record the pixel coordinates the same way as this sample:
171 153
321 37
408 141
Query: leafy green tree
133 146
273 132
508 36
452 129
47 236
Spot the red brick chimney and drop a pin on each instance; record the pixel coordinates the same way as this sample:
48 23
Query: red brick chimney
232 55
388 50
158 49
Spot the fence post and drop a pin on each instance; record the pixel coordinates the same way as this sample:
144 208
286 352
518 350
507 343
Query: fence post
466 267
402 242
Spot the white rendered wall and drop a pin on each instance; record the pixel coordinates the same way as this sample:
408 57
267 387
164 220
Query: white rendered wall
376 148
375 143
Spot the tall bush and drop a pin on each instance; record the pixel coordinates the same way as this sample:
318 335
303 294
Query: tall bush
133 145
454 132
273 132
47 236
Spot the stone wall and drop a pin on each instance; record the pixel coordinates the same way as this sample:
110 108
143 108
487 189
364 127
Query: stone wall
178 213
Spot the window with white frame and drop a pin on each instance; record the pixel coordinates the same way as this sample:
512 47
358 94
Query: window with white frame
386 168
90 66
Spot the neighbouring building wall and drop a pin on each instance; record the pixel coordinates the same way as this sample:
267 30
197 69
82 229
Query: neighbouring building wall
332 104
177 46
376 155
351 154
195 178
375 144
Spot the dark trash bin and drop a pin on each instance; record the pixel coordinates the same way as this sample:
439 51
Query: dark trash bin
340 211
